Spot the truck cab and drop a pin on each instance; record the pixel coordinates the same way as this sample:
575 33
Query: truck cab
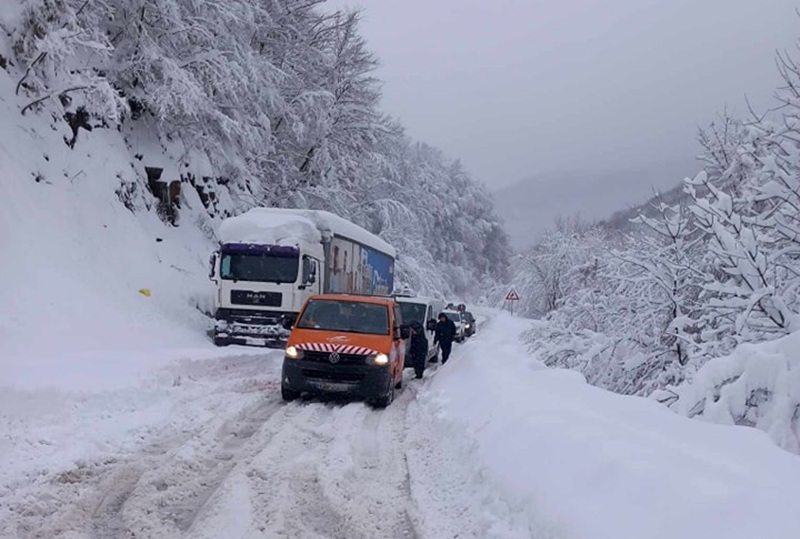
261 288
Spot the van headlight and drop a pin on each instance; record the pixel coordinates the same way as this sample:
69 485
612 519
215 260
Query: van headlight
380 359
292 352
466 326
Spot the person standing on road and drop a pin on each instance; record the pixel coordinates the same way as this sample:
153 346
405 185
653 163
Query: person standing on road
445 334
419 348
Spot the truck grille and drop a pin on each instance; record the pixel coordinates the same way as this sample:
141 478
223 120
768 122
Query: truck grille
262 299
324 357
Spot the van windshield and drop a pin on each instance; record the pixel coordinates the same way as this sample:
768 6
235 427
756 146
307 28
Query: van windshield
346 316
455 317
413 312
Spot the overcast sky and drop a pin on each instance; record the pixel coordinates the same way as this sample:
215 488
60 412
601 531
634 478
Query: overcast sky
517 88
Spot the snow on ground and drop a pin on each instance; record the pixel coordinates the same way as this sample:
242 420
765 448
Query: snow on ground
86 359
487 446
757 385
581 462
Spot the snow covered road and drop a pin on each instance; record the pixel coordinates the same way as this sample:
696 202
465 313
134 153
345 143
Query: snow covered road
492 446
253 467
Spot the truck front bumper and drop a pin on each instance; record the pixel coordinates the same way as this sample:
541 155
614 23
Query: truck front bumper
252 329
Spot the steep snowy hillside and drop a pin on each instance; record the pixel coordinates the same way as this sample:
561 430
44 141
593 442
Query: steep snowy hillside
531 206
77 261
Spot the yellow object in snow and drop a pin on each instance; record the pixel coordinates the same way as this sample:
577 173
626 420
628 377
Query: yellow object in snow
145 292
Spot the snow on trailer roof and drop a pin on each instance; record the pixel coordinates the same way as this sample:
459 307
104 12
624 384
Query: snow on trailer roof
415 299
283 226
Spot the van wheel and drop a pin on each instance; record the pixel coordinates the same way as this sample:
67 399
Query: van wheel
289 394
385 400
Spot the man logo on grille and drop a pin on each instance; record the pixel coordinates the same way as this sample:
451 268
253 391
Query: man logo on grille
334 357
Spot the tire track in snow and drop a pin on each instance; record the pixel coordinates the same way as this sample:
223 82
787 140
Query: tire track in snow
303 470
157 493
334 471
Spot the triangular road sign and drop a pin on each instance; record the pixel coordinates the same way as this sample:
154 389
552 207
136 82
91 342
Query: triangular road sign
512 295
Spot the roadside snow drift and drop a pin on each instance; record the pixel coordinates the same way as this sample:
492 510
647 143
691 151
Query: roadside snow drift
581 462
757 385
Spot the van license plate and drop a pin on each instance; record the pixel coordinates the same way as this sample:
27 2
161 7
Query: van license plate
333 387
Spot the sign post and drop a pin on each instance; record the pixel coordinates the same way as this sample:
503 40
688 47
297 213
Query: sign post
511 297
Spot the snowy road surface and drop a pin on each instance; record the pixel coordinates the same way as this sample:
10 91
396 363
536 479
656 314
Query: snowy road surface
254 467
268 470
492 446
208 449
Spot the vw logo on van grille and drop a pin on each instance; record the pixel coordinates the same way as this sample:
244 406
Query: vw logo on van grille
334 357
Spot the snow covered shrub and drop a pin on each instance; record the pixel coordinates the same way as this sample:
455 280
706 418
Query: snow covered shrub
758 385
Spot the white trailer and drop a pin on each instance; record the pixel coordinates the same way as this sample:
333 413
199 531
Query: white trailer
271 260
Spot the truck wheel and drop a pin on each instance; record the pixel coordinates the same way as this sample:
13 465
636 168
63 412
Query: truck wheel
221 341
289 394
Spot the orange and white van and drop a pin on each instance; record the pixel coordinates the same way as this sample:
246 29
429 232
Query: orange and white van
346 344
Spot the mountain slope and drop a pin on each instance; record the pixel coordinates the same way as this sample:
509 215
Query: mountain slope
531 206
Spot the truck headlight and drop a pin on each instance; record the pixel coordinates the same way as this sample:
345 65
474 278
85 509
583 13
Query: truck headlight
381 359
292 352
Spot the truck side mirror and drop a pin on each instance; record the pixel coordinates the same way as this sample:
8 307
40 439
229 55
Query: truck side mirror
212 270
312 274
309 271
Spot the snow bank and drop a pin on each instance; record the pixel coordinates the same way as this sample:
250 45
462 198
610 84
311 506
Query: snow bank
91 294
588 463
758 385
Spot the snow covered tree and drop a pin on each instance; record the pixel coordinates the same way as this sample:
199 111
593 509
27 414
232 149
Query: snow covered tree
279 100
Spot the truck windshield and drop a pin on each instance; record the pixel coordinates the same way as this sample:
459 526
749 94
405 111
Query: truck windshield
413 312
346 316
258 267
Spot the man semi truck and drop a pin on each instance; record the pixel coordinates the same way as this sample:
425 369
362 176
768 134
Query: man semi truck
271 260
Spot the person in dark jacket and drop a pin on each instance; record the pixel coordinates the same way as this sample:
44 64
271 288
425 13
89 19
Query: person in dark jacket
445 334
419 348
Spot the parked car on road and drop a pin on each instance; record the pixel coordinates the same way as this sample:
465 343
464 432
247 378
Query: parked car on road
470 325
346 345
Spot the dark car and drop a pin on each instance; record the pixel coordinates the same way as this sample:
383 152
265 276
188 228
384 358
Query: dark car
470 326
